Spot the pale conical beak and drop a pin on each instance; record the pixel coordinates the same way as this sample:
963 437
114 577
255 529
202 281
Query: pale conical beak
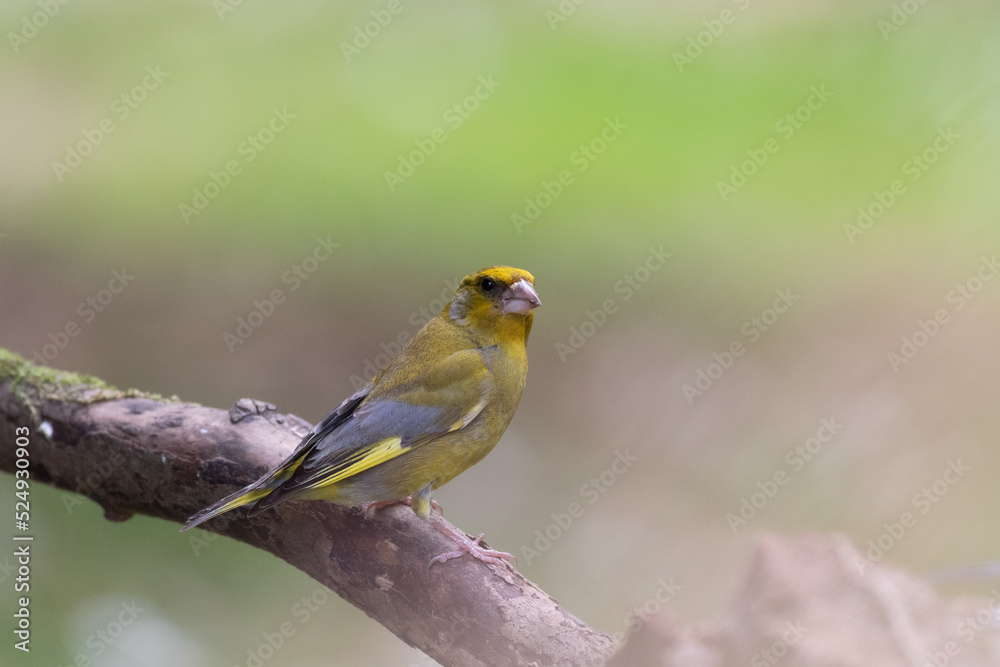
520 298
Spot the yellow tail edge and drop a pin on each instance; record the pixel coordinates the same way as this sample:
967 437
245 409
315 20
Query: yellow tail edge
238 499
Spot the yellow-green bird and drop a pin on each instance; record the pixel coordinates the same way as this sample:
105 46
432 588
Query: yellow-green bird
436 409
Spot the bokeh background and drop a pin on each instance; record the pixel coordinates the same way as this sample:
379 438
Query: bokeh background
642 109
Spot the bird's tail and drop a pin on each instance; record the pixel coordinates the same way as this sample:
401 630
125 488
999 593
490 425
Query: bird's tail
244 496
262 487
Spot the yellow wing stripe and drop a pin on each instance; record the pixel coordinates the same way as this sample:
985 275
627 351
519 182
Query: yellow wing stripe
285 472
239 501
256 494
369 457
468 416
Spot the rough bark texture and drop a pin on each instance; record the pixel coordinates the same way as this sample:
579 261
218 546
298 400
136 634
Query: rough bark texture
134 453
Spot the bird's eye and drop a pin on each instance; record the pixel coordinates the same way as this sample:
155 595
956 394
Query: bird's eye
487 284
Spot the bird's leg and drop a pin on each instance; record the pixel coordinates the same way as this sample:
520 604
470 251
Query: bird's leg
421 504
370 508
467 545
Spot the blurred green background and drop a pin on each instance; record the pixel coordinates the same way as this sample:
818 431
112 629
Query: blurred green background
806 112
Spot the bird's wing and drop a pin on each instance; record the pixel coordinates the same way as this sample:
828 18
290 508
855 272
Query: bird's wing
281 472
444 397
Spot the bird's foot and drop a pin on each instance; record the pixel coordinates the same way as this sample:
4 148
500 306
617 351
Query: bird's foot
467 545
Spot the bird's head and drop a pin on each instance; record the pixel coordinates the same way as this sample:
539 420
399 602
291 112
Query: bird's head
497 301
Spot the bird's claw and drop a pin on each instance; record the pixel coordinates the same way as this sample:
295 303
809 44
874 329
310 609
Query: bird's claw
467 545
473 548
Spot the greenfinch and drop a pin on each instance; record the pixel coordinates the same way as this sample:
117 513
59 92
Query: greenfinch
433 411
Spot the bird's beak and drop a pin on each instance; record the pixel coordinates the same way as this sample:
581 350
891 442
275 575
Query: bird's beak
520 298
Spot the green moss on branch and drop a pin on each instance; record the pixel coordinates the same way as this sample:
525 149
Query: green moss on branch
30 383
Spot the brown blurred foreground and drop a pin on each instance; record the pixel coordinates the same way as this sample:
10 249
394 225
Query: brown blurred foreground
817 601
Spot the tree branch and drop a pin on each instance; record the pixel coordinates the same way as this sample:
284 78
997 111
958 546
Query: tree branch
139 453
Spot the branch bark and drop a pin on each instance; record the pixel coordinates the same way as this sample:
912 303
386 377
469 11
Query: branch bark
139 453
